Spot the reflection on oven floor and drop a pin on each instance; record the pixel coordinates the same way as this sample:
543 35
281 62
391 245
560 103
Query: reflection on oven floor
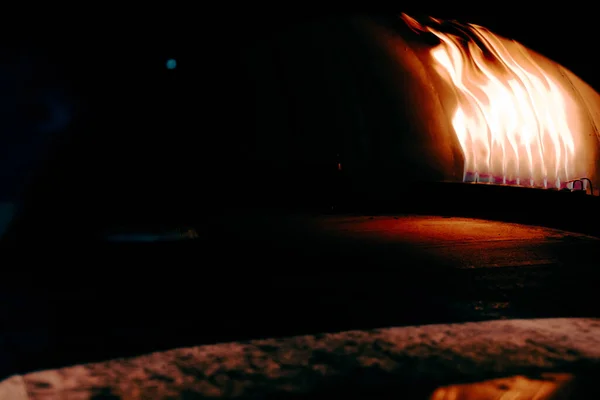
175 235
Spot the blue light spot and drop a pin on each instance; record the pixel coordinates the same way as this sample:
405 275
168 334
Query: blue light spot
171 63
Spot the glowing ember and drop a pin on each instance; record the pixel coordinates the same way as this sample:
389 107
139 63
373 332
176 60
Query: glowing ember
511 116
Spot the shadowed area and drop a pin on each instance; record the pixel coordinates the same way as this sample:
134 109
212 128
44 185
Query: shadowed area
296 274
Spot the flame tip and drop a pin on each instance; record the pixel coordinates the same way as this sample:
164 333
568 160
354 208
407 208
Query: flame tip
510 117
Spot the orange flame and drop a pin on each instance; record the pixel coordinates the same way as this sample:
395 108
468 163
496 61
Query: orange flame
511 117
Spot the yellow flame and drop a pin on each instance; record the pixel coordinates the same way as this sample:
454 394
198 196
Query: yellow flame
511 117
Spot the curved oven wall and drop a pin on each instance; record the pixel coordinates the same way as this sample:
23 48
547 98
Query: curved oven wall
348 95
372 98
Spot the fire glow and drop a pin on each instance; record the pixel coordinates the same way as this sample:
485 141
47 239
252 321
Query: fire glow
511 117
